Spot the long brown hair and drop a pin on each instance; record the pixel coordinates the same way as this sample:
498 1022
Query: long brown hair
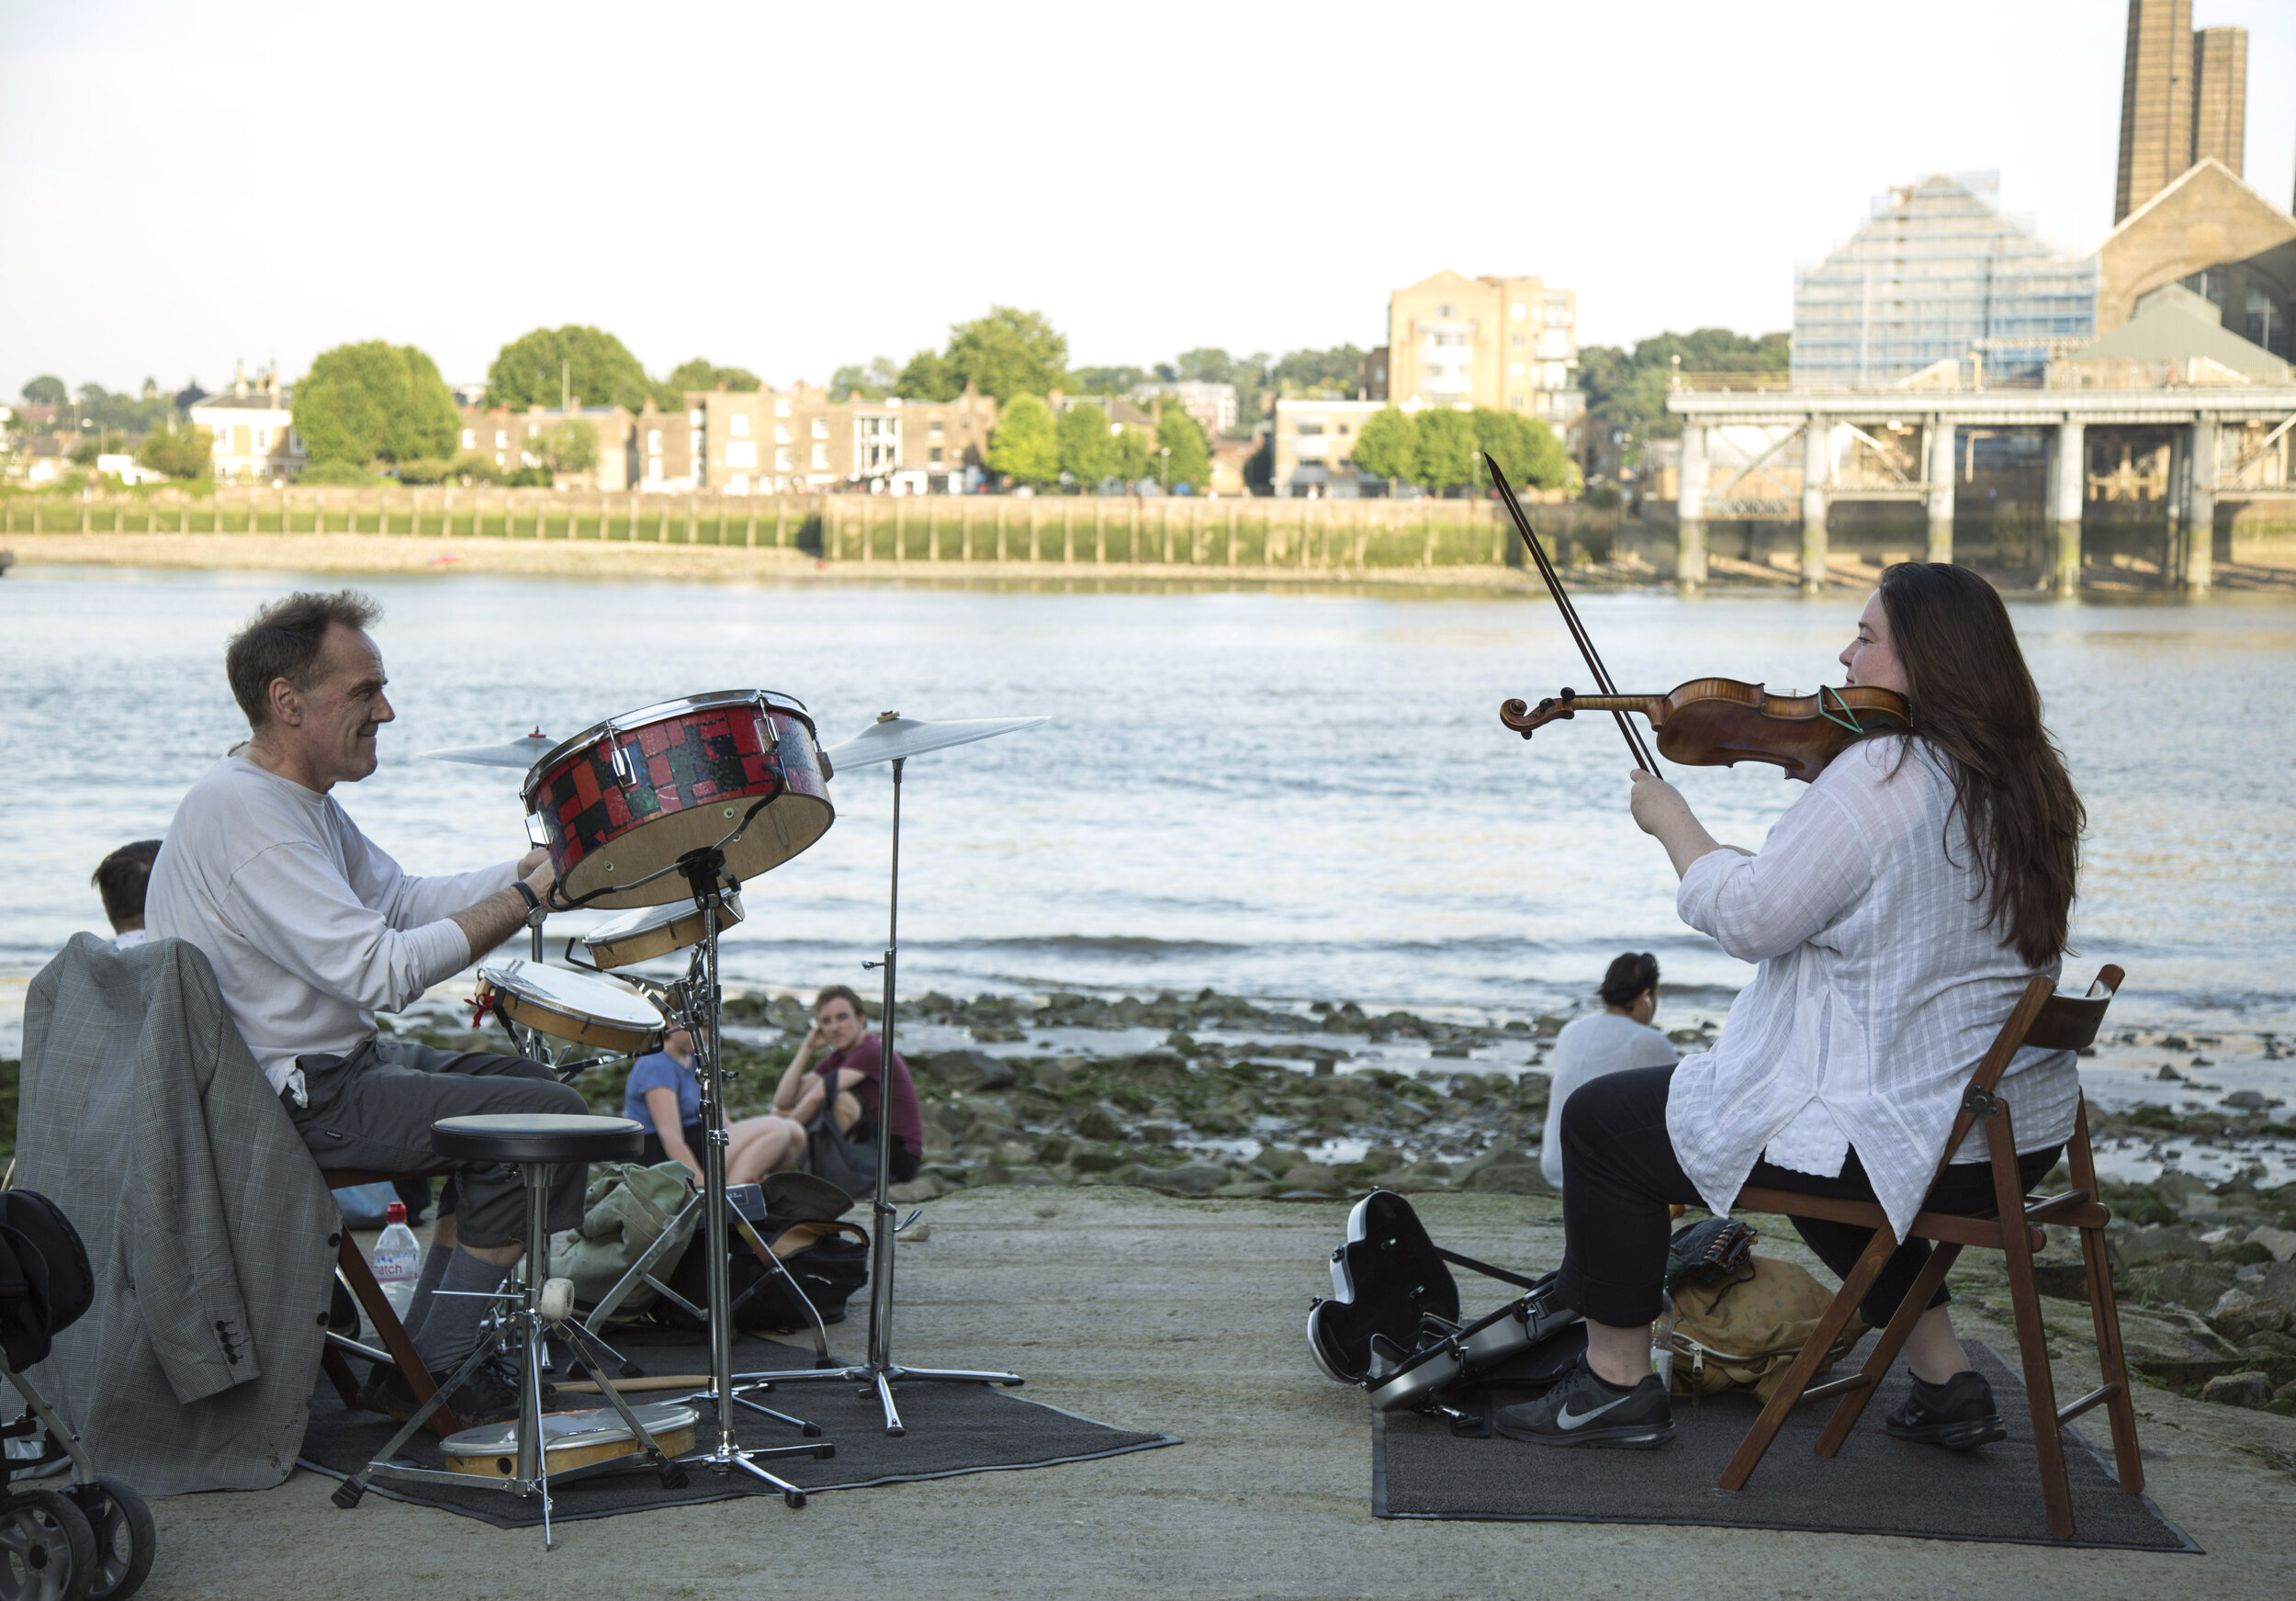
1975 702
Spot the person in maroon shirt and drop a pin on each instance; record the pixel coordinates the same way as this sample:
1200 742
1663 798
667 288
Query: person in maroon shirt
849 1079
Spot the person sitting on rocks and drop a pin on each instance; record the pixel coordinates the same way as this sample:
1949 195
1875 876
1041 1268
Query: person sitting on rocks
1614 1039
846 1081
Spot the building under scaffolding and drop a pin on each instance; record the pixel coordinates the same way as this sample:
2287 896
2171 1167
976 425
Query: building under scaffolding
1939 274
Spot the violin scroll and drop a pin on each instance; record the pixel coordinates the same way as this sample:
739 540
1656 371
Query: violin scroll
1525 719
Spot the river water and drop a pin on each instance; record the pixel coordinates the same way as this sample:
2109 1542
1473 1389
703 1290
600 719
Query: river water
1289 795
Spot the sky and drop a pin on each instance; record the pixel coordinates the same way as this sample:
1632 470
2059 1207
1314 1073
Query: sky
789 188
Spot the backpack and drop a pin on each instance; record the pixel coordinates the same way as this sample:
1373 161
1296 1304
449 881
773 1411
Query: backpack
1743 1332
46 1283
797 1215
627 1207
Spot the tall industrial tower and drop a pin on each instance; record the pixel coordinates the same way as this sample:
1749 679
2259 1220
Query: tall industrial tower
2184 96
2155 102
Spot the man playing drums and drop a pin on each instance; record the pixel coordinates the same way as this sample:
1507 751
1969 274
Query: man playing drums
311 930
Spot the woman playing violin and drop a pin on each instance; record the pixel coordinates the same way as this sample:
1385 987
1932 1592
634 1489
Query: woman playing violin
1897 911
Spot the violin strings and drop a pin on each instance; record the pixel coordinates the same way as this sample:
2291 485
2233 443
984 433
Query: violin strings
1635 747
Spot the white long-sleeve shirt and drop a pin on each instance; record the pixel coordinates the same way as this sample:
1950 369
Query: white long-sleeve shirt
311 930
1879 990
1588 1047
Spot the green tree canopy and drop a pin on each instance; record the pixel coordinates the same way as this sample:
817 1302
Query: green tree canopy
565 447
1107 380
1445 457
374 401
47 391
1629 387
697 374
1387 445
1190 461
928 377
600 370
1525 448
1088 453
1024 445
874 382
1337 371
1135 453
180 453
1008 352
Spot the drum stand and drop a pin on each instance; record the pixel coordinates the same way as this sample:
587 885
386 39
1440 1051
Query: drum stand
704 870
880 1372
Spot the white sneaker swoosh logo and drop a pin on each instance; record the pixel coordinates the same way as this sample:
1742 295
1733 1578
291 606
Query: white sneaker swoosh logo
1566 1418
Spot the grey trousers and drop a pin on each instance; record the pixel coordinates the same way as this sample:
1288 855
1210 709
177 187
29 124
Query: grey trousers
374 1110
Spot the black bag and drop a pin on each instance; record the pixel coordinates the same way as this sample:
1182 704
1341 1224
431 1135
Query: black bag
848 1163
46 1283
797 1215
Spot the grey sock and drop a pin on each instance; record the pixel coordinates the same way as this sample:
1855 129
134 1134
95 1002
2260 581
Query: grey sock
452 1326
433 1269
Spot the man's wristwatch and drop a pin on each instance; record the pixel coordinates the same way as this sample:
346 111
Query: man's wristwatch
526 893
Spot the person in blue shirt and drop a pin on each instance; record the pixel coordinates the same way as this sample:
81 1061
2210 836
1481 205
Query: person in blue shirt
665 1095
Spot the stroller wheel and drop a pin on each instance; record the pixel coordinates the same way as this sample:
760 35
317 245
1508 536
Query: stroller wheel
47 1551
125 1536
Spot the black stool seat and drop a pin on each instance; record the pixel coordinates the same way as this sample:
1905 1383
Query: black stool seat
539 1137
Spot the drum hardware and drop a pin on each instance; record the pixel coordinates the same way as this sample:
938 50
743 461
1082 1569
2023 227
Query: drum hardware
892 739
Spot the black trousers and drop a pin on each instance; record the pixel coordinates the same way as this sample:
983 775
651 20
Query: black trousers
374 1108
1620 1176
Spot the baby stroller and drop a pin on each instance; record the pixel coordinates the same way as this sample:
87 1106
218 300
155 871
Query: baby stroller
91 1540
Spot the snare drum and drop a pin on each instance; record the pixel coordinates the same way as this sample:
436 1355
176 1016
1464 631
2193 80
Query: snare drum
625 801
655 930
574 1007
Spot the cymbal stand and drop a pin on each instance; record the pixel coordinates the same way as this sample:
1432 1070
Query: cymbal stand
702 871
881 1372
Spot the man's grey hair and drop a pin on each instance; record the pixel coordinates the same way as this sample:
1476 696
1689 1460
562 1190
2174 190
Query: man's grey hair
284 639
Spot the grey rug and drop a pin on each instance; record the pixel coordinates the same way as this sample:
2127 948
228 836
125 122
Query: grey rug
1875 1485
952 1429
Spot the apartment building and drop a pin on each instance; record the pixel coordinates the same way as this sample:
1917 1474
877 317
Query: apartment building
772 441
253 425
1510 344
1314 448
510 439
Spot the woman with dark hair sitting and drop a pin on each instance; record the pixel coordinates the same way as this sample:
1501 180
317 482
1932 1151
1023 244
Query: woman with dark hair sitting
1897 910
1614 1039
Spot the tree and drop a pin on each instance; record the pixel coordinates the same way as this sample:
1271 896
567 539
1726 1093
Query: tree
697 374
1525 449
1086 452
1008 352
374 401
47 391
1445 457
180 453
1107 380
928 378
349 473
1628 387
1135 453
569 447
1387 445
1026 445
598 368
1337 372
1190 461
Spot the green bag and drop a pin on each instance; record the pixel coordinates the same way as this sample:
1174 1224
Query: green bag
1744 1332
626 1208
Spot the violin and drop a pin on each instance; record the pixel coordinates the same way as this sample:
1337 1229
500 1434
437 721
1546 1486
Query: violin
1707 722
1720 722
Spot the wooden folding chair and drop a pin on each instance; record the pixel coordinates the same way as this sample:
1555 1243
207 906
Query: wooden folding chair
398 1349
2060 1022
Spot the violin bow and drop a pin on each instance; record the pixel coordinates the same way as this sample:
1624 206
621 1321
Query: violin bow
1635 747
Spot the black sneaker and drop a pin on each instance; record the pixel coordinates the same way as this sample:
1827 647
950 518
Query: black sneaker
1957 1415
1585 1410
488 1395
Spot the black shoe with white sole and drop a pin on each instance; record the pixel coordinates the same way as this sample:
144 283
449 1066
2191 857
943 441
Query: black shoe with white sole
1585 1410
1958 1414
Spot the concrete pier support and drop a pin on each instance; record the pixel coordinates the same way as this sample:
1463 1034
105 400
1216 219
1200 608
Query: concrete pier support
2068 490
1941 464
2199 516
1817 473
1690 510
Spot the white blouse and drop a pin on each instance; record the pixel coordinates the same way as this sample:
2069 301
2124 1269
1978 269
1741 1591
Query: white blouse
1879 990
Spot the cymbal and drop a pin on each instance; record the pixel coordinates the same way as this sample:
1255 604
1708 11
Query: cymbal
522 752
894 738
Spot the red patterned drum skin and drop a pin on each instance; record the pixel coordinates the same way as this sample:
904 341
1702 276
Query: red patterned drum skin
625 799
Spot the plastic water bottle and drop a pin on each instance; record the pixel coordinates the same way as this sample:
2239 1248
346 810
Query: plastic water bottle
398 1259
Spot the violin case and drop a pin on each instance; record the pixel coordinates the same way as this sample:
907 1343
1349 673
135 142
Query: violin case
1391 1326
